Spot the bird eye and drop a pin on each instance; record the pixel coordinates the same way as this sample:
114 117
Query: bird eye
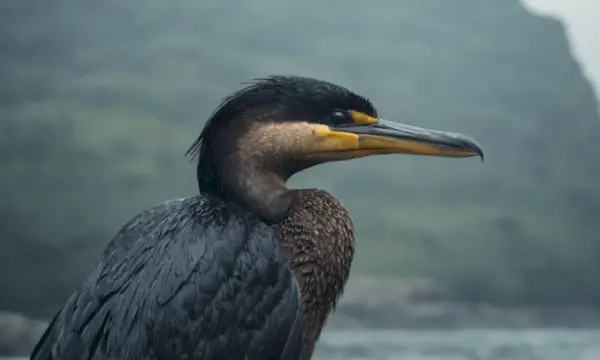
339 117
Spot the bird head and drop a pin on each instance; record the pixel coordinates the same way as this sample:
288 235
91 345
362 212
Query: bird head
285 124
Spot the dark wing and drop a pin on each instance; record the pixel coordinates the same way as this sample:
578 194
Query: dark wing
190 279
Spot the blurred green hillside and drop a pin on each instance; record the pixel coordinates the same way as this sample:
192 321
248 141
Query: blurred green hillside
100 99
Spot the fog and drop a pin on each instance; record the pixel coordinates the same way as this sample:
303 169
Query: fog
99 101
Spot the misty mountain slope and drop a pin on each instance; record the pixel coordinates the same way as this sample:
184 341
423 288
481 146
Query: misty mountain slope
99 101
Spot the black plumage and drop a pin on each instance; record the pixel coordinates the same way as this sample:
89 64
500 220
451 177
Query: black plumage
248 269
171 284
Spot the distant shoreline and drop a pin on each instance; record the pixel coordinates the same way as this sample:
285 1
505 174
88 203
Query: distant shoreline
449 315
384 304
413 304
18 334
419 338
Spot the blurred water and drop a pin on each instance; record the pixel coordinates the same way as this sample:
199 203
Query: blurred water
458 345
461 345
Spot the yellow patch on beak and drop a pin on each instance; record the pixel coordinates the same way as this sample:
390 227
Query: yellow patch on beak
362 118
331 140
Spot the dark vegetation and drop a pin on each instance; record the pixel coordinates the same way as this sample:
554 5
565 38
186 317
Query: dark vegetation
100 99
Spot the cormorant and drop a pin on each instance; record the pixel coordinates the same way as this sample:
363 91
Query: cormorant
248 269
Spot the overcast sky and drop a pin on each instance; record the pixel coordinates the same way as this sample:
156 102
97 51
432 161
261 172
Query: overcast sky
582 19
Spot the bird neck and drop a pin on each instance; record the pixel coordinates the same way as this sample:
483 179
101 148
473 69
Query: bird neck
265 195
239 179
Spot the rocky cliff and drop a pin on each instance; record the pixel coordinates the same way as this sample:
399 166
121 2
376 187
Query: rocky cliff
100 99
